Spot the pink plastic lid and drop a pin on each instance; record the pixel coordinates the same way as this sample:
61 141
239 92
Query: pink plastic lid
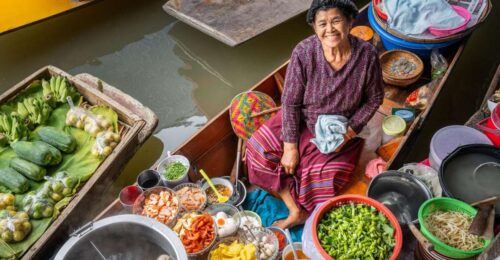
449 138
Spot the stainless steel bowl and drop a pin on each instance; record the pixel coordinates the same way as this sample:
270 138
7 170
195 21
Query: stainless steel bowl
123 237
400 192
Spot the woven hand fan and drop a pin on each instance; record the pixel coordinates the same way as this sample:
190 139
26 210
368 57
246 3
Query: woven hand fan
243 106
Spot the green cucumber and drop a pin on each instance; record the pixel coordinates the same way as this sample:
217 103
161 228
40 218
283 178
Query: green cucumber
28 169
13 180
57 138
37 152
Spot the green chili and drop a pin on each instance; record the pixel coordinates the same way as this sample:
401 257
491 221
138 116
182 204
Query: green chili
174 171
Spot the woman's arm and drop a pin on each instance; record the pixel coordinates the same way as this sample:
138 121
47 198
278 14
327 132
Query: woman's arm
373 96
291 100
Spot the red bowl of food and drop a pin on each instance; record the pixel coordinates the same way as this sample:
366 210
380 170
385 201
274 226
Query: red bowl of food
378 10
348 213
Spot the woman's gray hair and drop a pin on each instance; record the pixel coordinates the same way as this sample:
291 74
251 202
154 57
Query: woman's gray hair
347 7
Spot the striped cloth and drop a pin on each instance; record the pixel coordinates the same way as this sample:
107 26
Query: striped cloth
318 177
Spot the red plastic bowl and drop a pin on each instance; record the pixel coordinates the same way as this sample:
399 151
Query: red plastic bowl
340 200
379 11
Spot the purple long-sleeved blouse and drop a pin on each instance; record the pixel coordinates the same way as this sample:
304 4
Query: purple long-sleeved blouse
313 87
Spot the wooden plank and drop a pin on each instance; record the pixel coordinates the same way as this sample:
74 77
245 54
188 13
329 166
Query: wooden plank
15 14
104 175
235 21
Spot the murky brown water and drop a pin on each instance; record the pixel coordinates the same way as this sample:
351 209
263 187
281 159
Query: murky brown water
187 77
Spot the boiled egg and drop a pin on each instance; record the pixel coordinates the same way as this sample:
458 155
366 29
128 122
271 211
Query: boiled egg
225 224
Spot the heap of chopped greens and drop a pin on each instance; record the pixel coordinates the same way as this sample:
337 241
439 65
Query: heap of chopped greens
174 171
356 231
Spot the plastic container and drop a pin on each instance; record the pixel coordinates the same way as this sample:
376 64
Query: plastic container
446 204
192 185
288 249
343 199
139 204
491 126
391 42
407 115
166 162
148 179
449 138
128 195
229 210
392 126
281 231
449 31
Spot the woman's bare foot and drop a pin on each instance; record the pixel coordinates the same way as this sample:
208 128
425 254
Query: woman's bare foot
295 218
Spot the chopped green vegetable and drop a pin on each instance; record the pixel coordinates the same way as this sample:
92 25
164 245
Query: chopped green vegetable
356 231
174 171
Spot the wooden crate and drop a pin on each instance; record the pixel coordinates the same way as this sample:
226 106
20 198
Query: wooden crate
137 121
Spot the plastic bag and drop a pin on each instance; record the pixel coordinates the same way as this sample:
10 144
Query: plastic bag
308 246
105 143
7 201
84 119
439 65
60 186
38 205
419 98
14 226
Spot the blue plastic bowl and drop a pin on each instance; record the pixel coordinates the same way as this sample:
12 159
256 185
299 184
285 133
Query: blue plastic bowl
392 42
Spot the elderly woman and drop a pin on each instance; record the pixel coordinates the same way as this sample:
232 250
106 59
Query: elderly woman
330 73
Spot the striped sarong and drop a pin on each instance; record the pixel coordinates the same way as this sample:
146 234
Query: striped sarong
318 176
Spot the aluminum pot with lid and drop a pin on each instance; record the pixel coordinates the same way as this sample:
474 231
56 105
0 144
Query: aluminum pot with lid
123 237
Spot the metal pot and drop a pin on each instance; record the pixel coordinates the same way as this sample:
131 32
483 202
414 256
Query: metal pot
123 237
400 192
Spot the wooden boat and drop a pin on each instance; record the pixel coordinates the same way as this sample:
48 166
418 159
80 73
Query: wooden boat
19 14
137 123
213 147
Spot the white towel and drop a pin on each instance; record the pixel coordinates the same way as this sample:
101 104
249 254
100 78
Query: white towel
329 132
413 17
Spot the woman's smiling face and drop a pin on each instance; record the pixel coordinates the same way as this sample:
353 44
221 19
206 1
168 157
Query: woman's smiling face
331 27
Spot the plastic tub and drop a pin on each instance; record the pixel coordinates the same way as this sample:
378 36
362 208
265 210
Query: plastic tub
343 199
407 115
166 162
392 126
449 138
449 31
491 126
446 204
391 42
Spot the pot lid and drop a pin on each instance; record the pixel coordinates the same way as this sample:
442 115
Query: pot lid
393 125
449 138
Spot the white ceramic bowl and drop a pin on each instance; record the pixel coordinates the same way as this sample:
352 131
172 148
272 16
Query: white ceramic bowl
220 181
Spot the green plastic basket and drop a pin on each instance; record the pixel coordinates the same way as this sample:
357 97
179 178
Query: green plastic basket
447 204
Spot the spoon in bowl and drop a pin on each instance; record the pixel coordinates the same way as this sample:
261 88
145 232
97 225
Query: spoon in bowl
220 197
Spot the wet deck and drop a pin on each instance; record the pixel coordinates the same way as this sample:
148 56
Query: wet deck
235 21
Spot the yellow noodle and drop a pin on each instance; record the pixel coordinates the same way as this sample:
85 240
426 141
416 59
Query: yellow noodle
452 227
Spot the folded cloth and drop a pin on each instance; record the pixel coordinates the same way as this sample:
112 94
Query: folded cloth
413 17
270 209
329 132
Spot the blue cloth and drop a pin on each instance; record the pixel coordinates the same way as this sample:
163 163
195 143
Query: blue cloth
329 132
413 17
270 209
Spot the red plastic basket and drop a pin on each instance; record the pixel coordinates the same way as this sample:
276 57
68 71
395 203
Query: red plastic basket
379 11
340 200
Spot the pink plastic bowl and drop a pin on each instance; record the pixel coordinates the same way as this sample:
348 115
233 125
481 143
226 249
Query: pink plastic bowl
449 31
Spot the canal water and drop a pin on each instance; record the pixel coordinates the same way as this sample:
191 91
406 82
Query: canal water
186 77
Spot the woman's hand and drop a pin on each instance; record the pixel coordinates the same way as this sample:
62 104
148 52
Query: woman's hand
290 158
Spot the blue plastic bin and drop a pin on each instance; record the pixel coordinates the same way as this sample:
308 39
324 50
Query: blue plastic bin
392 42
